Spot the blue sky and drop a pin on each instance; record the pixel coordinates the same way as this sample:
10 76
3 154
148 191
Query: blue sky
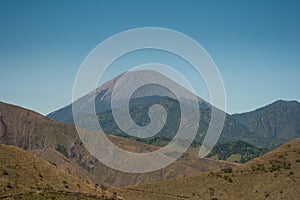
255 44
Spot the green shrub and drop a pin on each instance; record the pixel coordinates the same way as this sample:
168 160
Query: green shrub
5 173
8 185
62 150
40 175
227 178
227 170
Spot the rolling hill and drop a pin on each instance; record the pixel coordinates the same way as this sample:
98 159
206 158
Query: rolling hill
275 175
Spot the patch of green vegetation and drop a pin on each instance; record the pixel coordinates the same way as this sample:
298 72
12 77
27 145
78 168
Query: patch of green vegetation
236 151
62 150
234 158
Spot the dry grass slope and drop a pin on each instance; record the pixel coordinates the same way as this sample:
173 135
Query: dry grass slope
25 176
59 143
275 175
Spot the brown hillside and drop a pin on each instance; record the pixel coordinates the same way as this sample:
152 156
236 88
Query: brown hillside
59 144
275 175
25 175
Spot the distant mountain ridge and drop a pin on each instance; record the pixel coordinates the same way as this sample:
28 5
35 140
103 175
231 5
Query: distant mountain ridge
277 122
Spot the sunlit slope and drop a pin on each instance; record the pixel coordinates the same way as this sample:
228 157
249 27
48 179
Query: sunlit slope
23 175
275 175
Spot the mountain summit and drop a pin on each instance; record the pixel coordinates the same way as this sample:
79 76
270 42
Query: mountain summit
102 96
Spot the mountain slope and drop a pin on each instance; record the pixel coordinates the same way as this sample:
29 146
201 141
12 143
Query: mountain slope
59 144
25 175
139 108
276 123
142 99
275 175
103 96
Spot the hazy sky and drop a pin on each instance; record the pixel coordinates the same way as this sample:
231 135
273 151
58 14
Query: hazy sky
255 44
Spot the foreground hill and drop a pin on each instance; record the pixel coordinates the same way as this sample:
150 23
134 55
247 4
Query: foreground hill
275 175
25 175
276 123
59 144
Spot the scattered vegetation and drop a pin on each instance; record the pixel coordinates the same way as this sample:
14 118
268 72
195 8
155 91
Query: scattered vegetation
227 170
277 165
228 178
35 178
258 167
272 176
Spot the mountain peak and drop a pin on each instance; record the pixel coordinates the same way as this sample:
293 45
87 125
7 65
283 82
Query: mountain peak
103 95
